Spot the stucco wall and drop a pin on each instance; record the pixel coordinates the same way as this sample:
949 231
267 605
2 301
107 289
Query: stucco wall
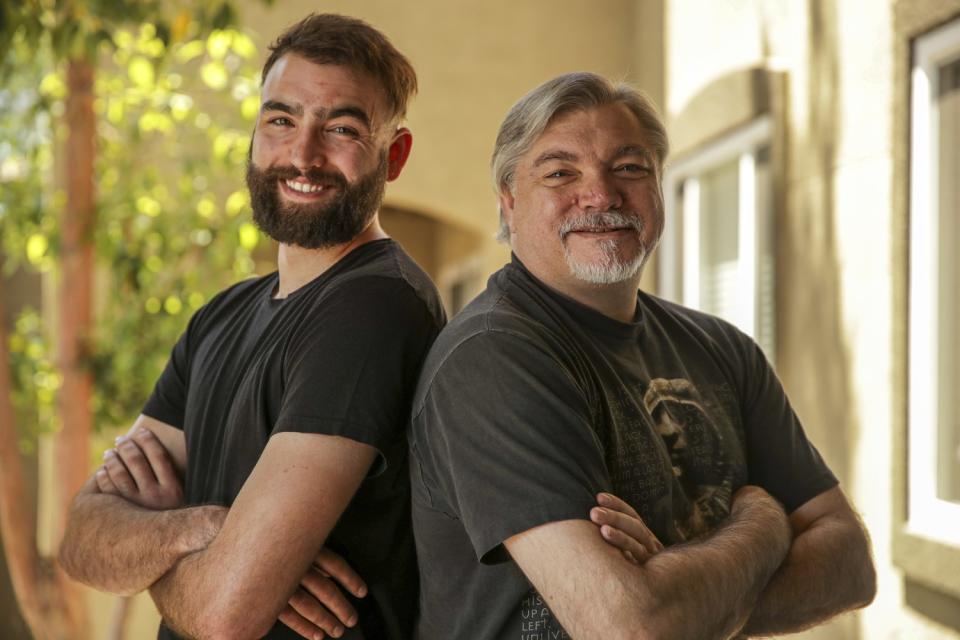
840 258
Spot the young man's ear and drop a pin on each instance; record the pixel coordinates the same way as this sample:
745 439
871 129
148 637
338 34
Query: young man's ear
398 152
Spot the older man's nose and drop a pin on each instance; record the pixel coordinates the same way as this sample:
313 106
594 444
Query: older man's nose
599 193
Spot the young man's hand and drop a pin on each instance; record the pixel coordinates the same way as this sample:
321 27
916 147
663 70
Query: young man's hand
319 604
139 469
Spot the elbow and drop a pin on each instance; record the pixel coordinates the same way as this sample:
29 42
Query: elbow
230 619
866 589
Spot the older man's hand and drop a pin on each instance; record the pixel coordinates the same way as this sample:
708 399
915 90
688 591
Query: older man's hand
621 526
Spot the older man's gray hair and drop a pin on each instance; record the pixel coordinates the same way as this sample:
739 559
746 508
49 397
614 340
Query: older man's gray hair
530 116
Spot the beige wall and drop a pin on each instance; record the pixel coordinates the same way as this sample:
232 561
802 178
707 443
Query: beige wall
840 244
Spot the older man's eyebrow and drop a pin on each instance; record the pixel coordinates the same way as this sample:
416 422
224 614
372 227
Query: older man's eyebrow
276 105
633 150
547 156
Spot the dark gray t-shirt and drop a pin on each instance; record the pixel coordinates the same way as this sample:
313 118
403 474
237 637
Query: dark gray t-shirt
530 403
339 356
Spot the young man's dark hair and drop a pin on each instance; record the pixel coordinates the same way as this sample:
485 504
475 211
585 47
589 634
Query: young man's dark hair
341 40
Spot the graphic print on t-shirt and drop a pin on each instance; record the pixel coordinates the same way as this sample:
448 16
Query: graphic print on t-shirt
683 487
699 457
674 454
537 621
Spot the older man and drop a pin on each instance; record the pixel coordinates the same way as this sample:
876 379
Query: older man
562 384
287 396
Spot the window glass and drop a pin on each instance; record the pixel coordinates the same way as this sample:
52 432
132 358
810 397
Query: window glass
719 250
948 158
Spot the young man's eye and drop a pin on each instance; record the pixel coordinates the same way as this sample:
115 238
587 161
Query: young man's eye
344 130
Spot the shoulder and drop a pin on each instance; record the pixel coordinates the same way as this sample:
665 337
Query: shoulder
710 331
490 336
382 276
226 303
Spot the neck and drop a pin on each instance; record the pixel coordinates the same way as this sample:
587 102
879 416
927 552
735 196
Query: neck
297 266
617 301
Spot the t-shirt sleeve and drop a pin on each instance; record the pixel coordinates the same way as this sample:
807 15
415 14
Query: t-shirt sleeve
780 458
504 431
351 368
168 401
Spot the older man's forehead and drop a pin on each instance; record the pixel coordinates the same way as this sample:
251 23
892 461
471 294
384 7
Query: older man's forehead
566 155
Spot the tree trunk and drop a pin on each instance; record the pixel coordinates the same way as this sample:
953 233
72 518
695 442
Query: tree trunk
33 583
74 310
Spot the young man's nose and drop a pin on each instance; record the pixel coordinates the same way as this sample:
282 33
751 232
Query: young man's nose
309 151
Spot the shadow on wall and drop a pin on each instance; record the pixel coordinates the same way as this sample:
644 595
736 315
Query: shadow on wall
813 355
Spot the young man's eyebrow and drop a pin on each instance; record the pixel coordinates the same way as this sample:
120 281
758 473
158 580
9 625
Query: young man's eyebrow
337 112
349 111
547 156
276 105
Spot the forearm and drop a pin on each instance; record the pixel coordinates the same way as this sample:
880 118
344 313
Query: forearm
116 546
707 589
186 597
827 571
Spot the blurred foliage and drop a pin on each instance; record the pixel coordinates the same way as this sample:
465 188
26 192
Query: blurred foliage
175 101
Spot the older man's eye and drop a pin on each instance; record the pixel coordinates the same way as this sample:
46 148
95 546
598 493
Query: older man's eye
633 169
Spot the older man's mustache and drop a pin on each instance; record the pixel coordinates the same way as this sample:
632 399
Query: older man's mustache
600 222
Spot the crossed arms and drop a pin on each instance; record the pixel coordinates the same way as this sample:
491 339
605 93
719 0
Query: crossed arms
215 572
759 573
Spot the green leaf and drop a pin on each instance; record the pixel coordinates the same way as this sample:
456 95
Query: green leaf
214 75
218 43
249 236
141 73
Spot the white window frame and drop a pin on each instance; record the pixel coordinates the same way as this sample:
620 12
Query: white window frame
927 515
741 145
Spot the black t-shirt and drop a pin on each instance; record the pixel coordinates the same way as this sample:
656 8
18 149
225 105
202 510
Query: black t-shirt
530 403
339 356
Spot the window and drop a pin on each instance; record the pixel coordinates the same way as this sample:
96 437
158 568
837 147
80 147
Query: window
717 253
934 298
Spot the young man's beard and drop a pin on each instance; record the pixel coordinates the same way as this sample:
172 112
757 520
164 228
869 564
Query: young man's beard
337 220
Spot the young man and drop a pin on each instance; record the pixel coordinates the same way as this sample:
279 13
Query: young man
562 384
286 398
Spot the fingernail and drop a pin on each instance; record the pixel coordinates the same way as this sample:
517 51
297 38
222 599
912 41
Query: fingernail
596 514
604 498
337 631
119 439
606 531
109 453
143 434
352 620
362 591
101 472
